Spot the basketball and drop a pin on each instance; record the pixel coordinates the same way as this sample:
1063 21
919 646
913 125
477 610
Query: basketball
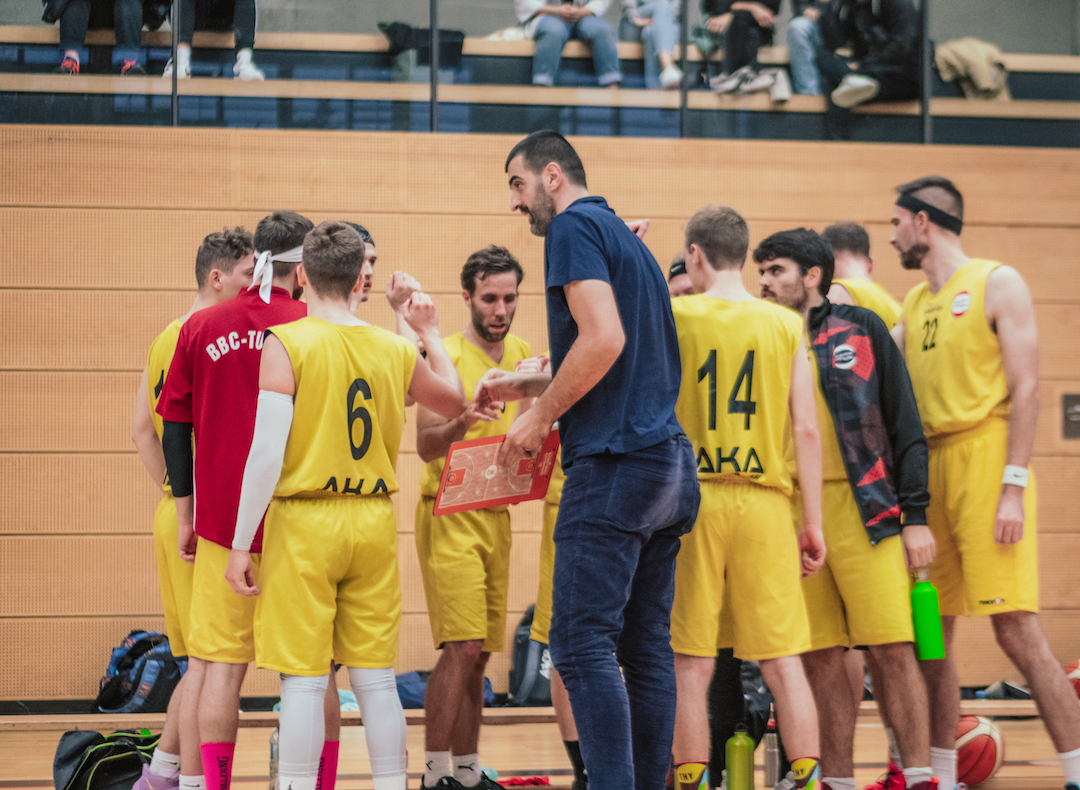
979 750
1072 672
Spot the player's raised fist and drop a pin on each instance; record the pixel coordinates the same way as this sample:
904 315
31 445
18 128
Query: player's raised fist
399 288
419 313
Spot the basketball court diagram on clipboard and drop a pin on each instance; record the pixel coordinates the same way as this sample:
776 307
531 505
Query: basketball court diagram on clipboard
471 480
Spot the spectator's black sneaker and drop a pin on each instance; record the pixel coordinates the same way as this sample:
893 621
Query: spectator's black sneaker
131 68
444 783
68 66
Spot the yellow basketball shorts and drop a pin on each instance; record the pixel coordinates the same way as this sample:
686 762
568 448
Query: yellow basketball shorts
973 574
174 576
222 622
465 565
737 577
541 623
861 595
330 583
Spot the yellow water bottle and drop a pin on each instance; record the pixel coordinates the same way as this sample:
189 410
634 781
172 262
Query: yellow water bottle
740 760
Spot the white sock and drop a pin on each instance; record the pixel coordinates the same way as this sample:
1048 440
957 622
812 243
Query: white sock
384 725
894 748
302 730
192 782
467 769
436 766
1070 764
912 776
836 783
163 763
943 764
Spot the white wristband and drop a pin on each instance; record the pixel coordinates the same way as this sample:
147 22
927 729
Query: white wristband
1015 476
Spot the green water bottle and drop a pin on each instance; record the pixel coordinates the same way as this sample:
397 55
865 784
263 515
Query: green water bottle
740 760
926 617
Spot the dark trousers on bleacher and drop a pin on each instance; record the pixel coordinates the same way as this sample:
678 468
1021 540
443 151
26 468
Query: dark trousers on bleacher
742 40
243 23
126 20
899 82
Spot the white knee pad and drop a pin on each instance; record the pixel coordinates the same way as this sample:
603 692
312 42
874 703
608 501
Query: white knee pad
384 720
301 725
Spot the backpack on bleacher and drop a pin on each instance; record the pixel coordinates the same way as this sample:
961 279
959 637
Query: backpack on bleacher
141 676
88 760
530 668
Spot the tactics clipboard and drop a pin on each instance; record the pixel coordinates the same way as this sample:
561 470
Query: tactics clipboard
471 481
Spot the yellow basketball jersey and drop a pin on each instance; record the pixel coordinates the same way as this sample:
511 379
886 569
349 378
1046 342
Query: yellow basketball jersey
952 354
472 364
872 296
558 477
349 411
733 401
158 360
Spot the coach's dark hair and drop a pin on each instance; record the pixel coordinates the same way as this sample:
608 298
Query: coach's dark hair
807 248
221 251
281 232
362 231
938 191
540 148
722 235
848 237
333 258
486 262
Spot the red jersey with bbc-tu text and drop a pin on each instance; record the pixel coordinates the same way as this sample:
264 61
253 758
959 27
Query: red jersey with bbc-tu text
213 383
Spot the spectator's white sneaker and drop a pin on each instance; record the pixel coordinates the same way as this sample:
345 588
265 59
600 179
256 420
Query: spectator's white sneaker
671 78
855 89
731 83
781 87
245 69
762 81
184 57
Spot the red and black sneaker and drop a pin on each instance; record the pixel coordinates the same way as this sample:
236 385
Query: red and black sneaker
68 66
893 779
131 68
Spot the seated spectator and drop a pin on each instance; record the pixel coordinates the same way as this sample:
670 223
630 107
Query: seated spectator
551 23
127 21
804 42
746 26
243 41
653 23
885 40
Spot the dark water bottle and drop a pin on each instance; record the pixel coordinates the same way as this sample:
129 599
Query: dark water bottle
740 760
772 751
926 618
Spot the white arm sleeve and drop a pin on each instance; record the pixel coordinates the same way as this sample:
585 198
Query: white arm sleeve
273 420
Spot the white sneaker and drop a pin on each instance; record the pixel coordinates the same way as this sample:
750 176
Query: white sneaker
184 56
731 83
855 89
781 87
671 78
762 81
245 69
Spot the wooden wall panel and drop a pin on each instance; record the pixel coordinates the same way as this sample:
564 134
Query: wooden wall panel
103 268
75 494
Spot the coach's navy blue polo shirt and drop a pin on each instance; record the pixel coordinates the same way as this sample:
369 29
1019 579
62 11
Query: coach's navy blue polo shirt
633 405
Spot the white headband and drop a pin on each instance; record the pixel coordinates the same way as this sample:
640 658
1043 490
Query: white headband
264 269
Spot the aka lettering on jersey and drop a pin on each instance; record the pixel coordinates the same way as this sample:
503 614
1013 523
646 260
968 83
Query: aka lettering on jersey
750 464
349 488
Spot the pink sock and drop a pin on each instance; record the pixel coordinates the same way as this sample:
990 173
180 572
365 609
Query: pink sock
328 765
217 760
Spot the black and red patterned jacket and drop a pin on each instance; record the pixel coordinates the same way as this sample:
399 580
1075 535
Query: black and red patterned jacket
868 391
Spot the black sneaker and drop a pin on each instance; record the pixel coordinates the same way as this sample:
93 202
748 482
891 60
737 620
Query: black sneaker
485 783
131 68
67 66
444 783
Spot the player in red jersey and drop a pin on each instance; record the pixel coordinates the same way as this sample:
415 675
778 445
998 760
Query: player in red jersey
211 389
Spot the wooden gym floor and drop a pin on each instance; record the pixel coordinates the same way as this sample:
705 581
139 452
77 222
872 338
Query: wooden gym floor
527 749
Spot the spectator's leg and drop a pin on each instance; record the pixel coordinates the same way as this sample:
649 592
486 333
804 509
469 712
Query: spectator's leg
185 33
804 41
662 35
128 20
551 36
244 41
743 38
833 69
74 23
898 83
605 50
